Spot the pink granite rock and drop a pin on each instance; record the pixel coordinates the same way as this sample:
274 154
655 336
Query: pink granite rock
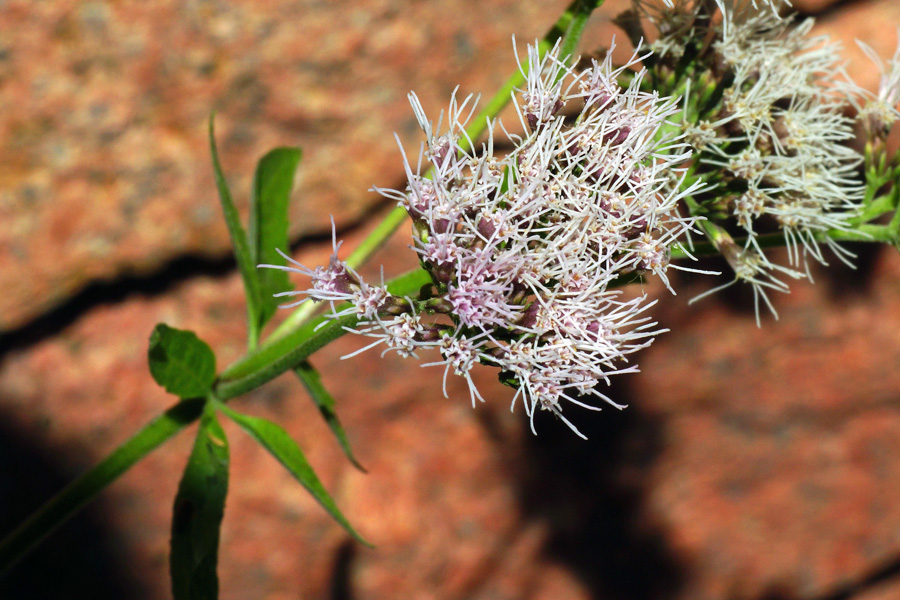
752 462
812 7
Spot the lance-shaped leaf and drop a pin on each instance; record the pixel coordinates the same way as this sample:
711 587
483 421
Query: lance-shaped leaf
280 445
239 242
325 403
181 362
197 515
77 494
268 226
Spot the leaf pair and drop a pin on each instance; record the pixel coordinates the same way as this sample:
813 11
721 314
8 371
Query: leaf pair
200 502
185 365
267 230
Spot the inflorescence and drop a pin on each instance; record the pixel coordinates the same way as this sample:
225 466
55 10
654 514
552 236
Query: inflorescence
734 126
764 110
525 248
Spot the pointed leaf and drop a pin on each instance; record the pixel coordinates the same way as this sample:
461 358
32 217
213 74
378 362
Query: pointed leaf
268 227
280 445
197 515
77 494
238 241
181 362
325 402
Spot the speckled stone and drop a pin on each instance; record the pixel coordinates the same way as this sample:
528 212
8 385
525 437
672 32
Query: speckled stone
812 7
782 444
774 465
752 462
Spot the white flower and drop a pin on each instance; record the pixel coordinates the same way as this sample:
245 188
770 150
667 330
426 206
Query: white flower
777 142
879 113
726 4
523 247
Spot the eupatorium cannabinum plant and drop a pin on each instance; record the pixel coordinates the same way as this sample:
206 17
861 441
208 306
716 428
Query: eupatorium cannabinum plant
729 130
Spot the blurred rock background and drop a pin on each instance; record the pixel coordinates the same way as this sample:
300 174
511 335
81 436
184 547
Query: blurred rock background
752 463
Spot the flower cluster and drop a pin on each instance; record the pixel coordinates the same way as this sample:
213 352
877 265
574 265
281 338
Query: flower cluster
524 248
735 122
765 114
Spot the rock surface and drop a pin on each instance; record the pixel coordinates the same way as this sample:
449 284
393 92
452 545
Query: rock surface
752 463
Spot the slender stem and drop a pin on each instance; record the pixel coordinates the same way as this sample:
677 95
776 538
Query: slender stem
874 208
277 356
894 228
68 501
569 28
862 233
377 238
286 353
301 315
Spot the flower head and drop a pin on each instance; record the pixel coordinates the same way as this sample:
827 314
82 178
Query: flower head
525 247
770 138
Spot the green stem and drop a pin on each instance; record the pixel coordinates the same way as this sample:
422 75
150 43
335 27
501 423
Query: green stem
301 315
68 501
894 228
277 356
862 233
874 208
569 28
284 354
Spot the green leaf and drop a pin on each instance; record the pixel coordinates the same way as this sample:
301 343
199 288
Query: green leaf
239 242
197 515
325 403
73 497
181 362
280 445
268 227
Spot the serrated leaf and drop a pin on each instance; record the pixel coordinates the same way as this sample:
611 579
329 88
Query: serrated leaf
238 242
197 514
268 226
280 445
181 362
325 403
